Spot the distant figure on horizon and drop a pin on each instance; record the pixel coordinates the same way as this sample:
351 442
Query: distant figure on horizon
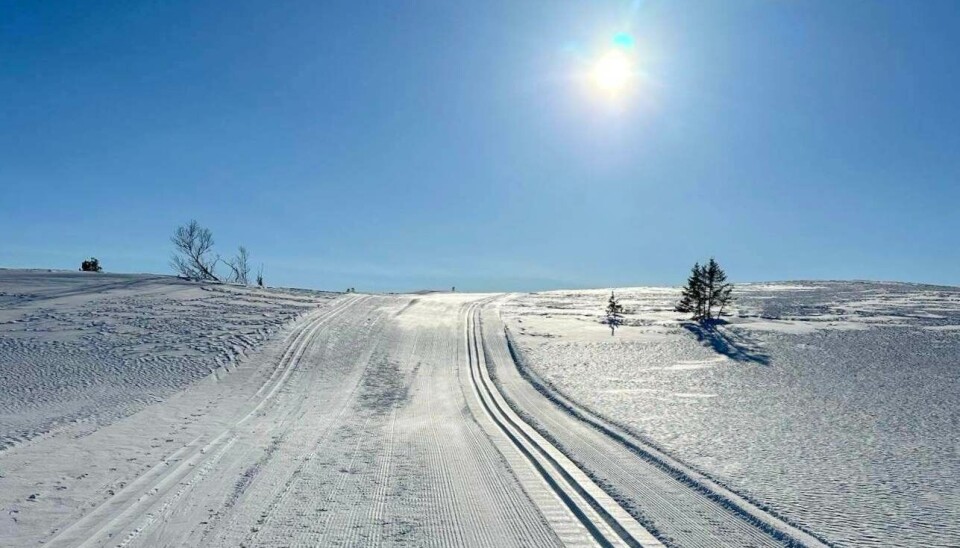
453 289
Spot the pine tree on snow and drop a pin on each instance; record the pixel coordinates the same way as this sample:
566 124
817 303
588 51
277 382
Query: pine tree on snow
706 290
614 316
691 300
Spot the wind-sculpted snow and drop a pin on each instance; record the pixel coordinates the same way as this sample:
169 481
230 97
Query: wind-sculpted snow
81 349
834 405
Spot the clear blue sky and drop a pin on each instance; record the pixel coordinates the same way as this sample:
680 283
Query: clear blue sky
406 145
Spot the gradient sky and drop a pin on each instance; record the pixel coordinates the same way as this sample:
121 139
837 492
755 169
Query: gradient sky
407 145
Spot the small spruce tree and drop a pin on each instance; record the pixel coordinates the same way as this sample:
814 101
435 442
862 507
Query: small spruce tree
718 291
614 317
691 300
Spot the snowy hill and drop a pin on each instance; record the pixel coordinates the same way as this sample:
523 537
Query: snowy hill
834 404
82 348
149 410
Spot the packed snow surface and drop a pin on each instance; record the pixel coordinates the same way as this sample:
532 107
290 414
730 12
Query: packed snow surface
78 349
351 425
151 411
835 405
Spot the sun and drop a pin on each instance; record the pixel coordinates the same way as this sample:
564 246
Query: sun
613 72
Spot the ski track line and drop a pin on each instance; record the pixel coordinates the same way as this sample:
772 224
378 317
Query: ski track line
382 482
297 407
667 498
377 514
124 508
678 517
558 525
270 527
608 523
485 489
297 455
555 527
446 485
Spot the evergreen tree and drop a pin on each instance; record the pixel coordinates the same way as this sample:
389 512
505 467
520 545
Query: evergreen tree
719 292
614 313
691 300
706 290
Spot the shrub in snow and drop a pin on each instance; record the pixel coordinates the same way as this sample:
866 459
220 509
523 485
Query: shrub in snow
240 267
91 265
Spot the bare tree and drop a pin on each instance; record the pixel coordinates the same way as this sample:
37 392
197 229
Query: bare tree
240 267
194 257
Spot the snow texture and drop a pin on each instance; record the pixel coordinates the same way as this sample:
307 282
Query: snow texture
148 410
351 426
835 405
79 350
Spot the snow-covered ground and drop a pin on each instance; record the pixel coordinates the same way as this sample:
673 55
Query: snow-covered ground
79 350
835 405
351 425
147 410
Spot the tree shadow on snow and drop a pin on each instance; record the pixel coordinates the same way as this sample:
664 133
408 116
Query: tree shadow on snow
732 345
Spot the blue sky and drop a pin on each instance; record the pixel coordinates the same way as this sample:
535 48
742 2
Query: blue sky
408 145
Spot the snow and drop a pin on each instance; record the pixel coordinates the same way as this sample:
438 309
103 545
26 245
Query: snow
85 349
347 425
833 404
148 410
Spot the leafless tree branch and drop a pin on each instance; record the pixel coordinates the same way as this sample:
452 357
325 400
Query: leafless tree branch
240 267
194 256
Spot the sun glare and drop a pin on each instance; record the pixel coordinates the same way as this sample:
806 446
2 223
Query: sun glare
613 72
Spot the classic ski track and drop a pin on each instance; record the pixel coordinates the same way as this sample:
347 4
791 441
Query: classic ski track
481 459
608 523
563 527
236 529
287 415
288 488
464 486
450 476
135 501
655 490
